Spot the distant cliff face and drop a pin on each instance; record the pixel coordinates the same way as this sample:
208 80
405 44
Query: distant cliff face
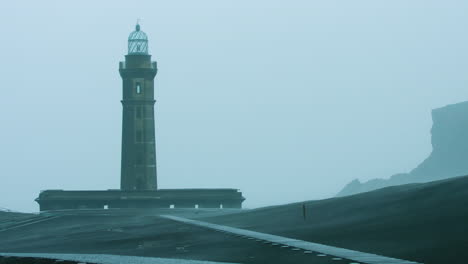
449 157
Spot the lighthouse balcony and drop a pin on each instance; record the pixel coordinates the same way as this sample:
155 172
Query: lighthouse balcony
124 65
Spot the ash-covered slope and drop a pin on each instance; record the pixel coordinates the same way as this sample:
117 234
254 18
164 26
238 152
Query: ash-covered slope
449 157
423 222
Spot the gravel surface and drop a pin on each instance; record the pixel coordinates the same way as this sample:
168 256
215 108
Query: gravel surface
144 234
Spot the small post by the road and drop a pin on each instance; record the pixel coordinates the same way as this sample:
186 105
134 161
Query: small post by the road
304 211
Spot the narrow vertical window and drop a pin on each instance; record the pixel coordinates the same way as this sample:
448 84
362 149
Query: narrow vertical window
138 88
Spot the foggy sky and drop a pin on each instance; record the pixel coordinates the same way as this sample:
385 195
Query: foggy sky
285 100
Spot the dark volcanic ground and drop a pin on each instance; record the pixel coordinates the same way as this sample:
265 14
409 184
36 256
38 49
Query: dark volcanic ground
129 233
419 222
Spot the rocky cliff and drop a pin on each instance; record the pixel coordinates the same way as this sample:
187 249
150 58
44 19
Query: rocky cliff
449 157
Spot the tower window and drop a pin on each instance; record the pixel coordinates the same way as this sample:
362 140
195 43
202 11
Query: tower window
138 88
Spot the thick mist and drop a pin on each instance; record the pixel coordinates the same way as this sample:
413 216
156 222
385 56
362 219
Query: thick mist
285 100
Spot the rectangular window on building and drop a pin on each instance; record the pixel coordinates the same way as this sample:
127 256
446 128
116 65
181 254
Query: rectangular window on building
138 88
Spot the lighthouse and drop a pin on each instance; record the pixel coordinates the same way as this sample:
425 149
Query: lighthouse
138 179
138 164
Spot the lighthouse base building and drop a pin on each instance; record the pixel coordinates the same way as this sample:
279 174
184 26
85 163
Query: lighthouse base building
163 198
138 185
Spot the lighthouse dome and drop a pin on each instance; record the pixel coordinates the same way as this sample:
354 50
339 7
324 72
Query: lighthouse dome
137 42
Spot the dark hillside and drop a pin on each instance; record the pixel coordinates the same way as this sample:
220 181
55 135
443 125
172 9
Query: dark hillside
8 218
420 222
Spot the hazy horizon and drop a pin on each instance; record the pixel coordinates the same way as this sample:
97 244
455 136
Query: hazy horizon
286 101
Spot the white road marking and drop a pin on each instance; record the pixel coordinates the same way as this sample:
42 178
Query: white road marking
358 256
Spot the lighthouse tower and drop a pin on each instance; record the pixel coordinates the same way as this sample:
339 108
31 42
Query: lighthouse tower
138 167
138 182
